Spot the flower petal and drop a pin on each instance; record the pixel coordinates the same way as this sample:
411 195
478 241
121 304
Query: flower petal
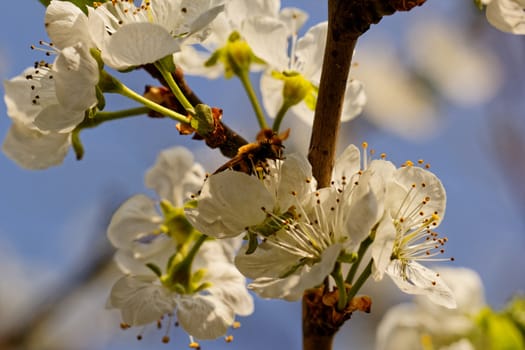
32 149
291 288
140 300
507 15
230 202
66 24
76 75
174 176
131 45
268 39
135 219
310 52
204 316
414 278
429 189
354 100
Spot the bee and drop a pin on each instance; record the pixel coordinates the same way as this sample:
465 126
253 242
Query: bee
253 156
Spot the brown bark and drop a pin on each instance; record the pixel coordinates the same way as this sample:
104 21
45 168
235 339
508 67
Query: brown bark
347 21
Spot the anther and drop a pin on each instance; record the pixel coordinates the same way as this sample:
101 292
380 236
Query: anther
165 339
228 338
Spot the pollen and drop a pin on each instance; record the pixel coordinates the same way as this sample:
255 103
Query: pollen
236 325
194 345
228 338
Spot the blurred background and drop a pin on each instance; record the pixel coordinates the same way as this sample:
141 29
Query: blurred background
442 85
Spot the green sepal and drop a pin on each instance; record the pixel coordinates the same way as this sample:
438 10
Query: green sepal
97 55
479 4
202 121
156 270
78 148
253 243
108 83
201 287
214 58
178 288
348 258
191 204
167 63
178 227
101 104
311 98
271 226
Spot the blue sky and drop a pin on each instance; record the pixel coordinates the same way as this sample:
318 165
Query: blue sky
50 218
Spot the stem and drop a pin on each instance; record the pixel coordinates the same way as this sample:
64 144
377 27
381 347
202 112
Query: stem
280 116
247 84
336 66
360 281
102 117
99 118
125 91
185 266
175 89
360 254
338 277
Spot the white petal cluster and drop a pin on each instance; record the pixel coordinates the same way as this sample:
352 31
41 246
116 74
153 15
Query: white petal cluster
47 101
506 15
136 231
262 24
424 325
414 206
304 58
303 232
130 35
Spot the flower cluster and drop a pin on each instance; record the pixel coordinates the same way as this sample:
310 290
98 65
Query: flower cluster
298 235
171 269
48 101
472 325
51 103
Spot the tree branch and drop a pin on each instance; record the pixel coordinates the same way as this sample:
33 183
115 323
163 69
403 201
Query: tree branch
347 21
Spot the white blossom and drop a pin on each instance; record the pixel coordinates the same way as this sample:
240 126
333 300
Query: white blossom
425 325
135 228
303 230
260 24
302 61
414 206
230 201
204 299
130 35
